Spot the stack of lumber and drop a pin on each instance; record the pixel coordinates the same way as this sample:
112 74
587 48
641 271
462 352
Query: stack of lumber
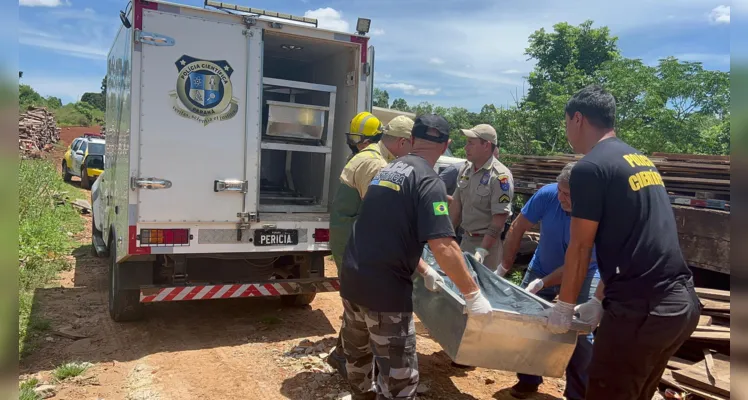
37 132
683 174
702 365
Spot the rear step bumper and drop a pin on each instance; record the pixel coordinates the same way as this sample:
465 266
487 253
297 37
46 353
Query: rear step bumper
228 291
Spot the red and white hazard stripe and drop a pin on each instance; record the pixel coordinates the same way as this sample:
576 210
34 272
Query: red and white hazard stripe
209 292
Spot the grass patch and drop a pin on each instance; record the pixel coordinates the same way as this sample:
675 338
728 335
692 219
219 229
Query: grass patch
26 390
70 370
45 237
516 277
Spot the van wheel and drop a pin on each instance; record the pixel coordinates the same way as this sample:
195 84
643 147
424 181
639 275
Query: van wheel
66 175
298 300
124 304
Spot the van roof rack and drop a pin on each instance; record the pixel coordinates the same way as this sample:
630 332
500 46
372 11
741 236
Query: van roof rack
249 10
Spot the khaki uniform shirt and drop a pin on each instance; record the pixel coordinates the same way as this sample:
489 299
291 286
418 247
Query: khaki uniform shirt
483 193
362 167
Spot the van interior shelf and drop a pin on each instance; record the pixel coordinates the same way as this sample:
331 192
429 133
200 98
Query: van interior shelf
285 83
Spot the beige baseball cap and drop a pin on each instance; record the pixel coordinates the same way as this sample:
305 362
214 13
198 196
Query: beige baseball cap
400 126
482 131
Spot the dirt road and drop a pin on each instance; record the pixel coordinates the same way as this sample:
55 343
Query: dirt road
217 349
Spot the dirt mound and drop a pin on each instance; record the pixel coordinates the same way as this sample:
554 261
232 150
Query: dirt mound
69 133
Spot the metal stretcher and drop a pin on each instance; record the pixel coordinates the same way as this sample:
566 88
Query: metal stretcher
513 337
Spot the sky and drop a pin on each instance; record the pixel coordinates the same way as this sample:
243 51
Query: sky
463 53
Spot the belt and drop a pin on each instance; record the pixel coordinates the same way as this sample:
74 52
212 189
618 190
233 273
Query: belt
474 234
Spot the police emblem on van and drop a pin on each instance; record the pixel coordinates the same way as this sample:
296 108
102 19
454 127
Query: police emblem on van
204 91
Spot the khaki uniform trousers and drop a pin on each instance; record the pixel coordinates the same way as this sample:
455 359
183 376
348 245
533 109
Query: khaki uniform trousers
495 253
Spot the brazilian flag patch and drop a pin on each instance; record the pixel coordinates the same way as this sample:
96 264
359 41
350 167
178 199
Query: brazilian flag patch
440 208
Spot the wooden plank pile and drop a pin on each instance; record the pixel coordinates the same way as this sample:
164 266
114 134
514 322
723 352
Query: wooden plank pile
699 176
701 367
37 132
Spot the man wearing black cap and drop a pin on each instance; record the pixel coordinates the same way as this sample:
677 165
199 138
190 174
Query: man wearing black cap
404 208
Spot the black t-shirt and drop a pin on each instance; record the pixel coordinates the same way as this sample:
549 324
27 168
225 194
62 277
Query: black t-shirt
638 253
405 206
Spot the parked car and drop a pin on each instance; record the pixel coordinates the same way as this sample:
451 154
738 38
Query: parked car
85 159
385 115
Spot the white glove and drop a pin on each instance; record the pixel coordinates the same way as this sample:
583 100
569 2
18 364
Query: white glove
477 303
431 278
559 317
480 254
501 271
590 312
535 286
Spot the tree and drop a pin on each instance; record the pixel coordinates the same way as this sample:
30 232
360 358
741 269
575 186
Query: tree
103 86
381 98
400 104
97 100
422 108
567 52
28 97
54 102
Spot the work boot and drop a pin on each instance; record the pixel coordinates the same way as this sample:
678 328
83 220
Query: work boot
523 390
337 361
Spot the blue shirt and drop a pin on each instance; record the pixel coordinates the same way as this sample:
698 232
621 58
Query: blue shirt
555 232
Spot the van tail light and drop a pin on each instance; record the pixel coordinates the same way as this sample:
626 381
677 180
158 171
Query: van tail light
164 237
321 235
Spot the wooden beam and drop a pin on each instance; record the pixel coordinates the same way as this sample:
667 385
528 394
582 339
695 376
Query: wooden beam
713 294
713 329
714 305
719 336
679 363
690 157
705 320
696 376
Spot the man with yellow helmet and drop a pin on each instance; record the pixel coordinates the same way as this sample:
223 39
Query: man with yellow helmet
373 147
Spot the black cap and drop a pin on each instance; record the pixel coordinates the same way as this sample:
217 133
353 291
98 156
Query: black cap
431 127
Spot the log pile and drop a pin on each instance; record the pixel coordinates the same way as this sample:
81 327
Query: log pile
702 365
705 177
37 132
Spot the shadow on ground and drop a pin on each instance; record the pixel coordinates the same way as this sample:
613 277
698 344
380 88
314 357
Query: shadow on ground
167 327
435 372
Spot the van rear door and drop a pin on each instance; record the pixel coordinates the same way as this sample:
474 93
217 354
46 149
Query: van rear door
193 128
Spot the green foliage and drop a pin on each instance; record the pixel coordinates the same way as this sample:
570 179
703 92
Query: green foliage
381 98
400 104
26 390
28 97
44 237
89 111
515 276
79 114
676 107
70 370
97 100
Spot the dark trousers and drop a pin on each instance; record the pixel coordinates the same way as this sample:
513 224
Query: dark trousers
631 349
576 371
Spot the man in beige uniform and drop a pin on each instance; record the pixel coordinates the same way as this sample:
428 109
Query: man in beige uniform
482 201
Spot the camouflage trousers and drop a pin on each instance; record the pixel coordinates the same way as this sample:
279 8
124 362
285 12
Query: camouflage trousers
387 338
